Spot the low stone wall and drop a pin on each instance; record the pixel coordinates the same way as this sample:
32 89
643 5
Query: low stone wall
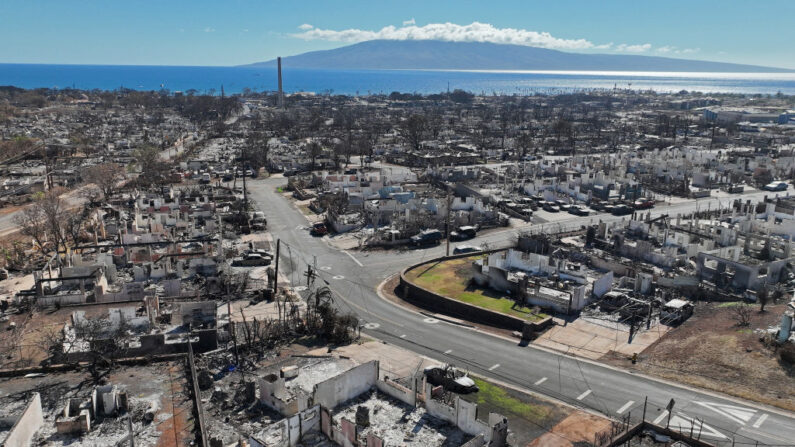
435 302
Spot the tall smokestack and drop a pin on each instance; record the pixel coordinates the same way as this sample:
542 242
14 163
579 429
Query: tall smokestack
281 92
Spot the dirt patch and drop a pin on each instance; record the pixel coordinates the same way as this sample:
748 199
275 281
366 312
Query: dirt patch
178 428
10 209
529 417
29 342
710 351
593 338
395 362
574 431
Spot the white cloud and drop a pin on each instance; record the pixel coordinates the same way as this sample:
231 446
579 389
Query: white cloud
305 27
209 30
640 48
409 22
451 32
667 49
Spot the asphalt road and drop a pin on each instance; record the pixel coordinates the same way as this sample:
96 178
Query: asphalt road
354 276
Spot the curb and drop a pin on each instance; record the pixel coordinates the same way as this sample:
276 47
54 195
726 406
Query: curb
447 319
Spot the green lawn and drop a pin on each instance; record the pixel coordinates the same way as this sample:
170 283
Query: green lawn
499 400
452 279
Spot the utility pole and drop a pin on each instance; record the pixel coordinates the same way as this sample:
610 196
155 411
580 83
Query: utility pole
232 332
245 193
310 275
276 269
645 401
447 224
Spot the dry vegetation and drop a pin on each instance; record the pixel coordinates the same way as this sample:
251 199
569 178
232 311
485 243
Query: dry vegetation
711 351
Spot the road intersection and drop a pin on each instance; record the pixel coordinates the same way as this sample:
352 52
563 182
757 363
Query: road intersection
355 276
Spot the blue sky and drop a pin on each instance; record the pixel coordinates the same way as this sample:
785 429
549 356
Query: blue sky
199 32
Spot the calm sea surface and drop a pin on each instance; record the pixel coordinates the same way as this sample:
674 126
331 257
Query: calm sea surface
235 79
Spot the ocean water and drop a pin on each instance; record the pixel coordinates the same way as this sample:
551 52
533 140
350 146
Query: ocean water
235 79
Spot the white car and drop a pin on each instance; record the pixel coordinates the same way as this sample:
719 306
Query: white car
463 248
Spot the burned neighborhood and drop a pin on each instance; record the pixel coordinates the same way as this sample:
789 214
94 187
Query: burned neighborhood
602 268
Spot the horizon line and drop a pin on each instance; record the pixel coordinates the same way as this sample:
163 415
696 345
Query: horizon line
255 65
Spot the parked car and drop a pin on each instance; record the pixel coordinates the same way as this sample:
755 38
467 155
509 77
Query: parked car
463 233
577 210
551 207
251 260
258 221
676 311
450 379
621 210
318 229
463 248
776 186
643 204
427 237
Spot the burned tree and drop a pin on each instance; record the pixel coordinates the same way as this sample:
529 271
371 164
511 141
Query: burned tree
742 315
105 178
33 224
412 130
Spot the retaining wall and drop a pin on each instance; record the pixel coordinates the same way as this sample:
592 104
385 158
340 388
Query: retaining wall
435 302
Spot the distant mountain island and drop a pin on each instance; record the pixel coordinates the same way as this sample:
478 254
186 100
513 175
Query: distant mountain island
439 55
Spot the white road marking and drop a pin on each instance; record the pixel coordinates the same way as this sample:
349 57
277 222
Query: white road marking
448 351
683 425
372 326
541 380
661 416
430 320
403 336
759 421
363 310
354 259
625 407
740 415
584 395
325 267
337 277
495 366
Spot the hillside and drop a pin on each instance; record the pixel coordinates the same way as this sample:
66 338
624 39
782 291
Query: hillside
427 54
